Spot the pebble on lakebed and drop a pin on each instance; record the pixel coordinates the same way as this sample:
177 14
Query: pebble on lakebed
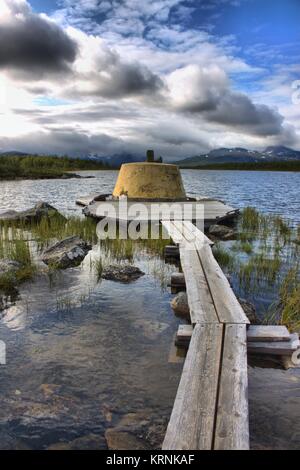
121 273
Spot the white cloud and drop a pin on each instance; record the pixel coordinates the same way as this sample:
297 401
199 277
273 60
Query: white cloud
135 81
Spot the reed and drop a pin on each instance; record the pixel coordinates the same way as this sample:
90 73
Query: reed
223 257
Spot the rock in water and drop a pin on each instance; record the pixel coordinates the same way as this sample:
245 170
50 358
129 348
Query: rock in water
222 232
123 440
180 305
9 267
33 215
125 273
66 253
249 310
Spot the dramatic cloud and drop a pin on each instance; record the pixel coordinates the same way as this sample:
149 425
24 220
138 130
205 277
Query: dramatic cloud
32 43
207 91
116 76
100 71
64 141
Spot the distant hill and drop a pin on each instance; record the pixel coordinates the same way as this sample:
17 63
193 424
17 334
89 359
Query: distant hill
112 161
115 161
241 155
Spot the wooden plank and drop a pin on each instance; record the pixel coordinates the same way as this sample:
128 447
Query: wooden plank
173 231
280 348
232 420
202 308
191 425
227 306
267 333
113 209
178 280
184 334
197 233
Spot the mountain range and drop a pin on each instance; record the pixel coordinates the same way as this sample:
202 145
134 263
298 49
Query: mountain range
241 155
221 155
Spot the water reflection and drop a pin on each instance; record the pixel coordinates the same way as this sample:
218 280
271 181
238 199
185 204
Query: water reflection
84 355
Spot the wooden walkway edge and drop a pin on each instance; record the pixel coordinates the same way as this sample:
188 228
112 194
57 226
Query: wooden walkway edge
211 406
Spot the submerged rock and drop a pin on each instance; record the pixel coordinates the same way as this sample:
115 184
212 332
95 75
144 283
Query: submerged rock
32 215
180 304
117 439
150 328
222 232
66 253
121 273
89 442
249 310
9 267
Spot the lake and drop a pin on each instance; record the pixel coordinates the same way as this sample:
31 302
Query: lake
85 356
270 192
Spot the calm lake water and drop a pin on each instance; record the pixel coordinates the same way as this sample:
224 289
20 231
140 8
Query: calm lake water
84 356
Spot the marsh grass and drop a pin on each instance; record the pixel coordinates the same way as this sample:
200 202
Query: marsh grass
57 228
289 296
98 267
286 310
15 246
223 257
267 248
259 270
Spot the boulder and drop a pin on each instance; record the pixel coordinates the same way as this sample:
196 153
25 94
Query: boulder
89 442
222 232
33 215
180 305
66 253
117 439
151 329
9 267
121 273
249 310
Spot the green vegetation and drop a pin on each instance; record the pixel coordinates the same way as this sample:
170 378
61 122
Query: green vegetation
264 262
286 311
35 167
289 295
15 247
291 165
224 258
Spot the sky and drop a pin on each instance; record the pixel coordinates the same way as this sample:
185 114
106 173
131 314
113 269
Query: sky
106 77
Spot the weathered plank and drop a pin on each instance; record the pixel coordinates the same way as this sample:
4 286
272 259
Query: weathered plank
155 210
191 425
280 348
191 232
176 235
184 334
171 251
178 280
232 422
227 306
267 333
202 308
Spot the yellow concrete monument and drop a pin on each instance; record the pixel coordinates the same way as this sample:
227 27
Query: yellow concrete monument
150 180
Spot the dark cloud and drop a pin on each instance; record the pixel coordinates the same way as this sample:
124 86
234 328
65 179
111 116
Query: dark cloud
236 109
63 141
207 92
32 43
113 77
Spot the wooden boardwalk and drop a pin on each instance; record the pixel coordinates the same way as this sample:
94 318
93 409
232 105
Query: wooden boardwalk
211 405
208 209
